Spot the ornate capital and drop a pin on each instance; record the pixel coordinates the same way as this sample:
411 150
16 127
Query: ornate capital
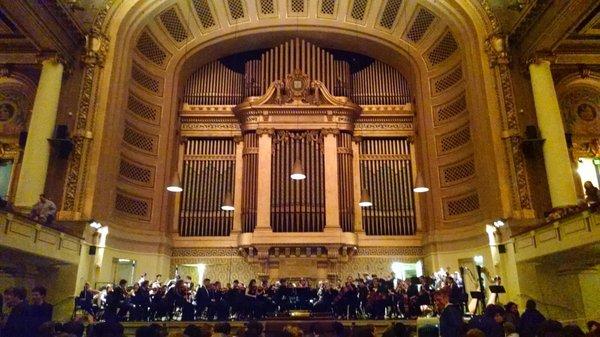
238 139
539 57
56 57
265 131
496 46
357 139
330 131
96 48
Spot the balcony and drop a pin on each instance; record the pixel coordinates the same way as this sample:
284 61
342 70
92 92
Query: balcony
575 231
61 242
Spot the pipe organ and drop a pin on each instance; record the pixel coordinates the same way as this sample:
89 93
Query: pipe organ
385 171
297 205
347 122
208 169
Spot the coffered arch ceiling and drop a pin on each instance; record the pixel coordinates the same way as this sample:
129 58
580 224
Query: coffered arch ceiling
438 47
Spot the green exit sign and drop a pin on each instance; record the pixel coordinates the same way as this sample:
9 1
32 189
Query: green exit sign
596 161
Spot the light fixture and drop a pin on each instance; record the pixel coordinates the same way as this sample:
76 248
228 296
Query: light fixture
499 223
95 224
228 203
478 259
297 171
365 199
420 185
175 185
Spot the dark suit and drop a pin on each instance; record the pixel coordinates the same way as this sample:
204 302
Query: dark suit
38 315
451 321
203 299
530 323
18 322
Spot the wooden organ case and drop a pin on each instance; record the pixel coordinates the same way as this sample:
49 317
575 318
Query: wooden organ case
350 127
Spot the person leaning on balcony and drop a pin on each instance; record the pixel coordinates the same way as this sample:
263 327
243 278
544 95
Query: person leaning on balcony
44 211
592 194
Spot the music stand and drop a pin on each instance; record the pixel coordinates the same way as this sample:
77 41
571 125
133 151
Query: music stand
497 290
477 294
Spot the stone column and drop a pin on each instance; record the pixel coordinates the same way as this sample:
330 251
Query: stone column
32 177
556 154
177 196
418 197
263 190
358 226
237 189
332 202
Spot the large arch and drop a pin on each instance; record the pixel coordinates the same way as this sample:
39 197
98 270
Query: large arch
478 196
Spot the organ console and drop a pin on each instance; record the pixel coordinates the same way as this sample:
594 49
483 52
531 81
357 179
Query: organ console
313 102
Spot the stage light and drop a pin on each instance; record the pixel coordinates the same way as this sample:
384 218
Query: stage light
96 225
297 171
175 185
228 203
365 199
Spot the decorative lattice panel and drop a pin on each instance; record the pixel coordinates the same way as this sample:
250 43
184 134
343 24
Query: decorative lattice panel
140 140
327 7
359 10
172 23
457 172
389 14
454 140
145 80
147 111
297 6
451 110
204 13
151 50
420 25
236 9
462 205
136 173
267 7
447 80
136 207
442 50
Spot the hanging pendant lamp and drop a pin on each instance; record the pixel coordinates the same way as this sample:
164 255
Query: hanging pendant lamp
298 171
228 203
175 185
420 186
365 199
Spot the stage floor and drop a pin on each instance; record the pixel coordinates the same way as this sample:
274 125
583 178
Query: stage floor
275 325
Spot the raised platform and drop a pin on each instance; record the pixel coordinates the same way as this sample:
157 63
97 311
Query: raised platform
276 325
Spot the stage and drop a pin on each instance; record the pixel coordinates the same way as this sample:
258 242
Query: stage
274 325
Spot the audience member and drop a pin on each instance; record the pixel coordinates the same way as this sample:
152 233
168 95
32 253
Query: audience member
530 320
253 329
450 315
510 330
44 211
192 331
17 323
573 330
550 328
395 330
475 333
39 310
512 314
491 322
221 330
593 329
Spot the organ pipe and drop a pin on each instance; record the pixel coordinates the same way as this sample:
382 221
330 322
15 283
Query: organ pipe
297 205
385 171
208 173
250 177
214 84
379 84
345 181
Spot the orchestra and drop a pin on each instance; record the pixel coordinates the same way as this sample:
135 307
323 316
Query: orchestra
366 296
